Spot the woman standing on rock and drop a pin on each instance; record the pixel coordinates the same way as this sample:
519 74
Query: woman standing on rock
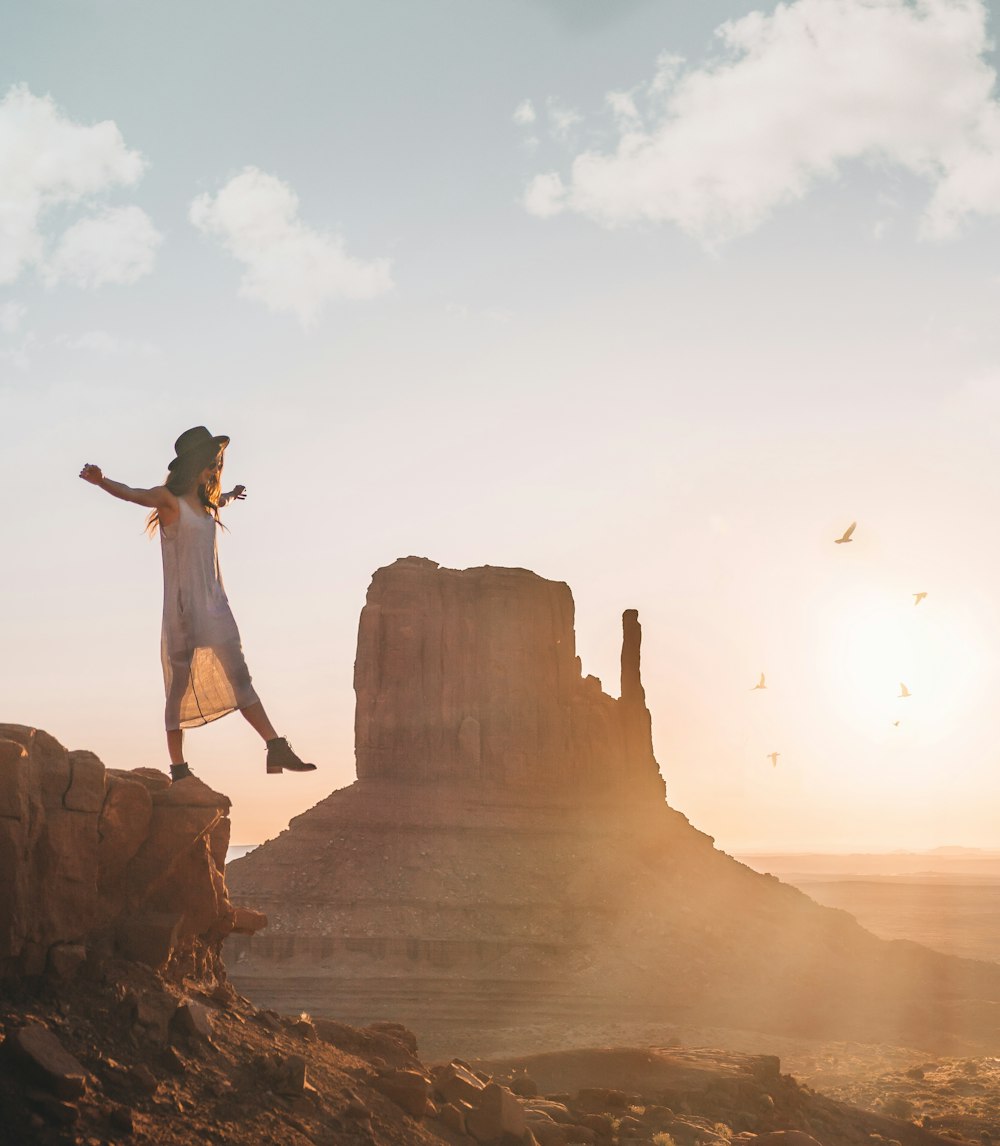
204 672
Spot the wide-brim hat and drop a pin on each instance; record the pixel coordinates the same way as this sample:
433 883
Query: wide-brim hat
197 438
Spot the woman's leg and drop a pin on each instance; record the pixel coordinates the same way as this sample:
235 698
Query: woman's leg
175 745
256 717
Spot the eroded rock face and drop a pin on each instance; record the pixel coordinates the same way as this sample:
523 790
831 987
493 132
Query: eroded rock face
98 857
471 676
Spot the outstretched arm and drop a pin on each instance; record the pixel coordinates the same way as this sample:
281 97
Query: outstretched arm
159 497
237 493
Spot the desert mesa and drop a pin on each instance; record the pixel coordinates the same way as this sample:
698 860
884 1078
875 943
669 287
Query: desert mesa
508 861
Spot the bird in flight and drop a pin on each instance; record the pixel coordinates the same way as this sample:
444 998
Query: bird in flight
895 724
846 539
918 597
760 683
903 691
773 757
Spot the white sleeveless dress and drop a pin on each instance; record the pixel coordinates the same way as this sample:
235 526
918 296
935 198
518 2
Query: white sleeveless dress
204 673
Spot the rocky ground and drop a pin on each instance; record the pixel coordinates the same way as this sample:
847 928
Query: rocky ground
121 1054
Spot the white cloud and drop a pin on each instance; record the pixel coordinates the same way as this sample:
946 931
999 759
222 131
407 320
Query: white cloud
793 95
48 161
116 245
290 267
11 316
524 113
545 196
109 345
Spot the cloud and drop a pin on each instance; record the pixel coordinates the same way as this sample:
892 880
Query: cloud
116 245
289 266
48 161
545 196
11 316
791 96
524 113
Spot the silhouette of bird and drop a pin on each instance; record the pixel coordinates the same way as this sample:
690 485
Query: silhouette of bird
903 691
846 539
773 757
895 724
760 683
918 597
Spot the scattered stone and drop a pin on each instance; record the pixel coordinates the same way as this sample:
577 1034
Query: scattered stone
456 1083
269 1019
192 1020
396 1031
409 1089
303 1028
546 1132
524 1086
601 1124
143 1079
497 1116
452 1116
557 1111
289 1074
43 1055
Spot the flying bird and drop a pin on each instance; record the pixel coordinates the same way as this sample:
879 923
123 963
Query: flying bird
846 539
895 724
918 597
773 757
760 683
903 691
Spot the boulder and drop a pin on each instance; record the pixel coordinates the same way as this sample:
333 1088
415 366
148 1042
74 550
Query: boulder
38 1051
409 1089
497 1117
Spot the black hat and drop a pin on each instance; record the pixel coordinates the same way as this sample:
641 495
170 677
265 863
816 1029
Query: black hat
197 438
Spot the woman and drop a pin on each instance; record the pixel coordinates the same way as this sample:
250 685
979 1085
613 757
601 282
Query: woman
204 672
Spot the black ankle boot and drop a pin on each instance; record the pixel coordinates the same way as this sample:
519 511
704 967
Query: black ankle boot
281 757
180 772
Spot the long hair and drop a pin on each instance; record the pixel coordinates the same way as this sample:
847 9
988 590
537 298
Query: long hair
181 480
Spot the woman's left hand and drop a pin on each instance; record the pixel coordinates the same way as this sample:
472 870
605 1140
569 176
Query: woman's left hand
238 493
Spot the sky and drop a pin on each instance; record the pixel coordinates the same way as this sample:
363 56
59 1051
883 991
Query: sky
651 298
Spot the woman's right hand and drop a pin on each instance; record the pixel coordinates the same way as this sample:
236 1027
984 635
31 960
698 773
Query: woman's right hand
92 474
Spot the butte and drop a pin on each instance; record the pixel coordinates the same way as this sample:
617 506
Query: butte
507 874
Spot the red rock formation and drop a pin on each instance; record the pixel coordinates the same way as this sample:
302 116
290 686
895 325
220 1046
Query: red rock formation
507 858
471 676
94 858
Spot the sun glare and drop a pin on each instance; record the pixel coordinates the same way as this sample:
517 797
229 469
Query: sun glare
893 666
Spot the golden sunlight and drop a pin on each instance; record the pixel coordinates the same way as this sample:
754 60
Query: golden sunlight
891 665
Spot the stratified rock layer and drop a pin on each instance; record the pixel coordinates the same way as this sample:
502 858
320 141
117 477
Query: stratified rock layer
99 859
506 860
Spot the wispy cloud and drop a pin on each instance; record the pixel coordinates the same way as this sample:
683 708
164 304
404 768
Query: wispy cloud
116 245
289 266
524 113
791 96
47 161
